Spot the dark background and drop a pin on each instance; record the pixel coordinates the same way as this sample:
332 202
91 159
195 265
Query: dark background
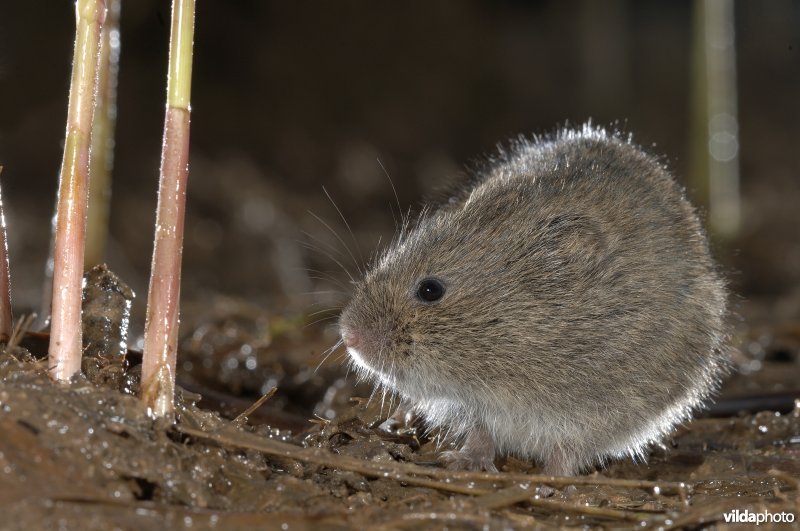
290 96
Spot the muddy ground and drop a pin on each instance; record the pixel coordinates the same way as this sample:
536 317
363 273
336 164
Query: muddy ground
87 455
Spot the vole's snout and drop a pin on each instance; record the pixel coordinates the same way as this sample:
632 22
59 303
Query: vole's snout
351 338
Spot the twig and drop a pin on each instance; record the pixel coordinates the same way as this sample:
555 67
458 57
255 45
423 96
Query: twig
587 510
790 480
407 472
446 519
504 497
556 481
516 494
73 194
20 329
241 418
163 298
319 456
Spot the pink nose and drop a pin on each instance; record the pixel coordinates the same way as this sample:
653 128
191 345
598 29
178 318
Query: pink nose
350 338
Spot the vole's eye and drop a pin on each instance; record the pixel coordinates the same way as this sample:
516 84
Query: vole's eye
430 290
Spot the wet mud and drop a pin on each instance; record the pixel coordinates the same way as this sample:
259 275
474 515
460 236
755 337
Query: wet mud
88 456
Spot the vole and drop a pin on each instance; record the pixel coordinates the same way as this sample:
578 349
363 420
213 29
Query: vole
563 307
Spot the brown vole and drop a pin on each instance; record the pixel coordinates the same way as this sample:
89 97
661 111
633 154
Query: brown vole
564 308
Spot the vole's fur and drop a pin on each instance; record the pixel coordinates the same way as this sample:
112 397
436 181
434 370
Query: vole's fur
583 316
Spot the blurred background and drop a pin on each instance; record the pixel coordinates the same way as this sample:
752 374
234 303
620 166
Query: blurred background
289 97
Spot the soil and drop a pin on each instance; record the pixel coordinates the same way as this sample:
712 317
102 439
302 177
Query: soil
88 456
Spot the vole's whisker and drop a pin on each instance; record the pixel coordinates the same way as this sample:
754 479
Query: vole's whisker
373 257
327 354
330 257
318 304
322 292
394 191
318 321
326 277
321 242
346 224
336 234
322 311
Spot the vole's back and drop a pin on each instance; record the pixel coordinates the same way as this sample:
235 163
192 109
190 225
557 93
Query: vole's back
627 298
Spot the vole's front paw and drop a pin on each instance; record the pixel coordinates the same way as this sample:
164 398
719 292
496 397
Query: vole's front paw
402 419
477 453
463 460
391 425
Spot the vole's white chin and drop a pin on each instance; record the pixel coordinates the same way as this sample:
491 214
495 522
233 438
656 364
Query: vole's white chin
358 359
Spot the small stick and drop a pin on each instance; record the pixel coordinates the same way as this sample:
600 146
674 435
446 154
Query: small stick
73 194
558 481
512 496
505 497
446 519
407 472
587 510
161 325
5 277
241 418
20 329
102 159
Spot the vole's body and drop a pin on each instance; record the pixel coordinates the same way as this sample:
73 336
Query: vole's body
581 317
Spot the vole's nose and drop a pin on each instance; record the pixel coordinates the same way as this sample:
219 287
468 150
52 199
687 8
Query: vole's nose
350 338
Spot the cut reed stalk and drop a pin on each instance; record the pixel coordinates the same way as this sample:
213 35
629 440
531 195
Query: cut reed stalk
161 326
73 194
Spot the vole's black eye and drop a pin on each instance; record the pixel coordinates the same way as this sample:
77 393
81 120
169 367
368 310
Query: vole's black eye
430 290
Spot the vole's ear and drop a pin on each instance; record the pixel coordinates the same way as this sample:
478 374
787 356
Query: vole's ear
575 236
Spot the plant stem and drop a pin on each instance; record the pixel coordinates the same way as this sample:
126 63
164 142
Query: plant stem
714 167
5 278
163 298
73 194
723 121
102 154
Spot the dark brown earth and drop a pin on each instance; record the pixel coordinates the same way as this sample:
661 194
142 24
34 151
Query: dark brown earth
87 455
